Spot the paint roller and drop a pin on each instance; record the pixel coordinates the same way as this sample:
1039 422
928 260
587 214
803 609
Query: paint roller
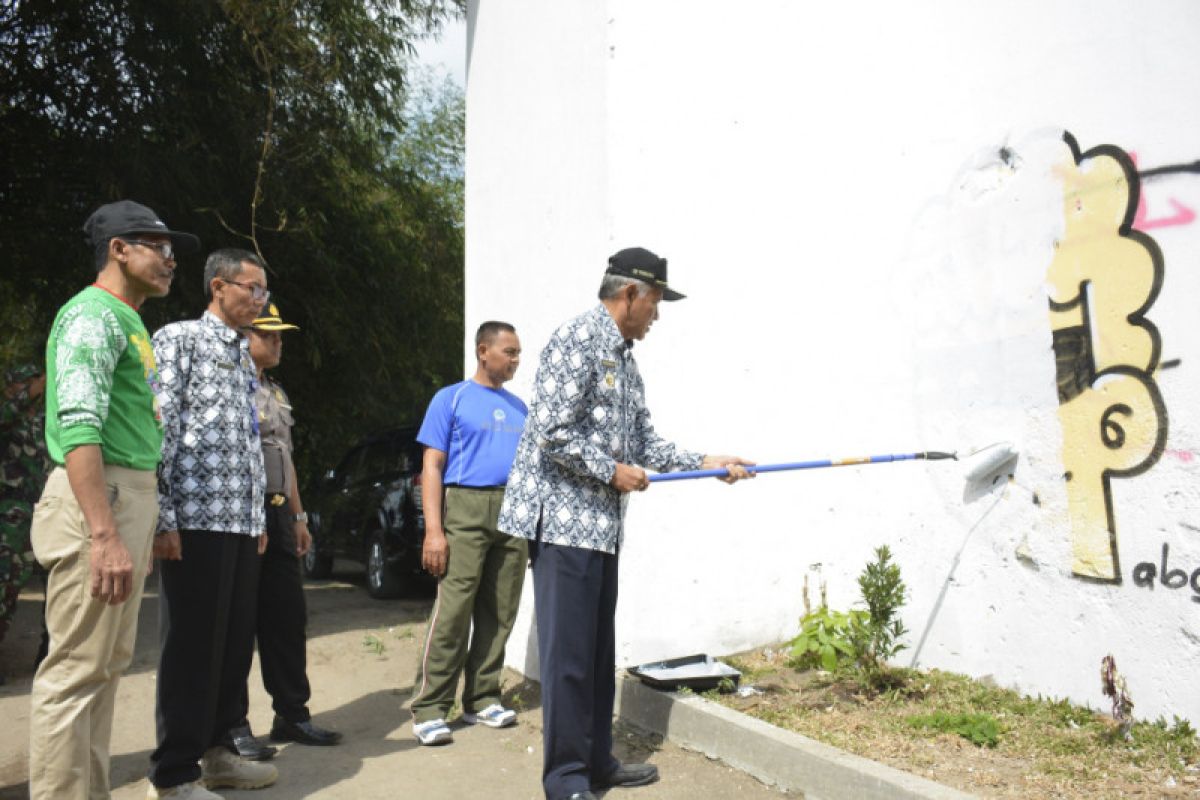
988 462
981 464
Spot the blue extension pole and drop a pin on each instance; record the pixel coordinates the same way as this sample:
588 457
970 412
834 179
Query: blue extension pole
721 472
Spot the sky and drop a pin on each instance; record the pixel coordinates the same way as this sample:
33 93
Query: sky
448 52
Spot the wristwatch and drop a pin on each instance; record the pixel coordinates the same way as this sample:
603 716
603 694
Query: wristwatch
301 517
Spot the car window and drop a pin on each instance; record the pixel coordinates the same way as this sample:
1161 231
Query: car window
379 460
383 459
413 454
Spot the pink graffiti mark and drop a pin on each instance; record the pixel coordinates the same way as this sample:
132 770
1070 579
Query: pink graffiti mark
1186 456
1182 216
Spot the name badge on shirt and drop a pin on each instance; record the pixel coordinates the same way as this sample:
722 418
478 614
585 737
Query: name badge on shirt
610 378
225 365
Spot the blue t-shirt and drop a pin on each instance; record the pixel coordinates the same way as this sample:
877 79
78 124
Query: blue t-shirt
478 428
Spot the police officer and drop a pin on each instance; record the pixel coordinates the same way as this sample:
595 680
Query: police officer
281 610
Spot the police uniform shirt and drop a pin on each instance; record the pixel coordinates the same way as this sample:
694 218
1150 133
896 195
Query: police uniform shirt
275 424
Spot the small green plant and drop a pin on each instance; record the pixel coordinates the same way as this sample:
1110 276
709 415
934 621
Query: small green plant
1182 730
1178 737
980 730
374 644
824 639
876 637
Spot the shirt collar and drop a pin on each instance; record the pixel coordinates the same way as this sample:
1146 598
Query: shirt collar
215 325
609 330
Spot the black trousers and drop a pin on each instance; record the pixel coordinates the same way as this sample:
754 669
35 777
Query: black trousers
575 597
206 621
282 617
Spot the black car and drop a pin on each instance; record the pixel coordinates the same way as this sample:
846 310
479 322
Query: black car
368 509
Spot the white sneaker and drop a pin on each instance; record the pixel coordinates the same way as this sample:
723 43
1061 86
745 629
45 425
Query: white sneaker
494 716
185 791
222 769
433 731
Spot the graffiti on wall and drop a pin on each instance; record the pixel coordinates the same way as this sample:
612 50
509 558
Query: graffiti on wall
1146 573
1102 281
1181 214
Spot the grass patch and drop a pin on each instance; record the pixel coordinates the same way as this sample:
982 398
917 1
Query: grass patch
971 734
980 730
373 644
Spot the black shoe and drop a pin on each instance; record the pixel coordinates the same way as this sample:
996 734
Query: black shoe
248 747
582 796
629 775
303 733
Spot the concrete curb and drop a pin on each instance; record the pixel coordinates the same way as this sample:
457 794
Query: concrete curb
774 756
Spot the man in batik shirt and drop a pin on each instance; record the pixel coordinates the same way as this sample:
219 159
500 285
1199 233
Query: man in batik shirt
212 529
587 434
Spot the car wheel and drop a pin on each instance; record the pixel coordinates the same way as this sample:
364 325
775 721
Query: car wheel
316 565
381 580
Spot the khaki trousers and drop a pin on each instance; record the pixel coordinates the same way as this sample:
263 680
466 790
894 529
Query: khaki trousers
91 642
478 596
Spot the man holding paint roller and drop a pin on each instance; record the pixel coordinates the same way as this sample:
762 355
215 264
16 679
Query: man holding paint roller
587 433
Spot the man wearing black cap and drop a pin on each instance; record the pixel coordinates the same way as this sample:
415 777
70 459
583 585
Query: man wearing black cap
94 525
587 434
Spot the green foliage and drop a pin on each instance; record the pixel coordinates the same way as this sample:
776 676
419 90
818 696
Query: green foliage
294 127
825 639
980 730
373 644
1178 737
430 147
876 639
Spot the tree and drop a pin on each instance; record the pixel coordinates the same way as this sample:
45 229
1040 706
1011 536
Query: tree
275 125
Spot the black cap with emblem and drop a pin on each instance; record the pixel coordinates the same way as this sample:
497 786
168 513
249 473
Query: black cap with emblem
640 264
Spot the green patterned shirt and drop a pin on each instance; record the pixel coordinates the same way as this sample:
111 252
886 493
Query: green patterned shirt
102 382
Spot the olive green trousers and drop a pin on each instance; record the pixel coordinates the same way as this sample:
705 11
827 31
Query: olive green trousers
475 609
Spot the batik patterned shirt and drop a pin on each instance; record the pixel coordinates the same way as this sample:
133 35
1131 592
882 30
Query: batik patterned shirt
211 477
588 414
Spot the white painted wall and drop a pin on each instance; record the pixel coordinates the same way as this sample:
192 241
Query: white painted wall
865 275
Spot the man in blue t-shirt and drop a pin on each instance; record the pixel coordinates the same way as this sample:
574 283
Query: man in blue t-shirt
470 435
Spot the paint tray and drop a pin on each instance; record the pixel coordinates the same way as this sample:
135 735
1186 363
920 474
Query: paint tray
699 673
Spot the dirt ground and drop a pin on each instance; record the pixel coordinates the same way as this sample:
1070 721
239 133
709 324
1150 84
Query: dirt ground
362 660
1043 749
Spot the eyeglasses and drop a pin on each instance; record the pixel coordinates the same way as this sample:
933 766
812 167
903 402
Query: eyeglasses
164 249
257 292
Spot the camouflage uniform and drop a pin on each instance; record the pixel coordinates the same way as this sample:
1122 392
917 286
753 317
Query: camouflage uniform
22 474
